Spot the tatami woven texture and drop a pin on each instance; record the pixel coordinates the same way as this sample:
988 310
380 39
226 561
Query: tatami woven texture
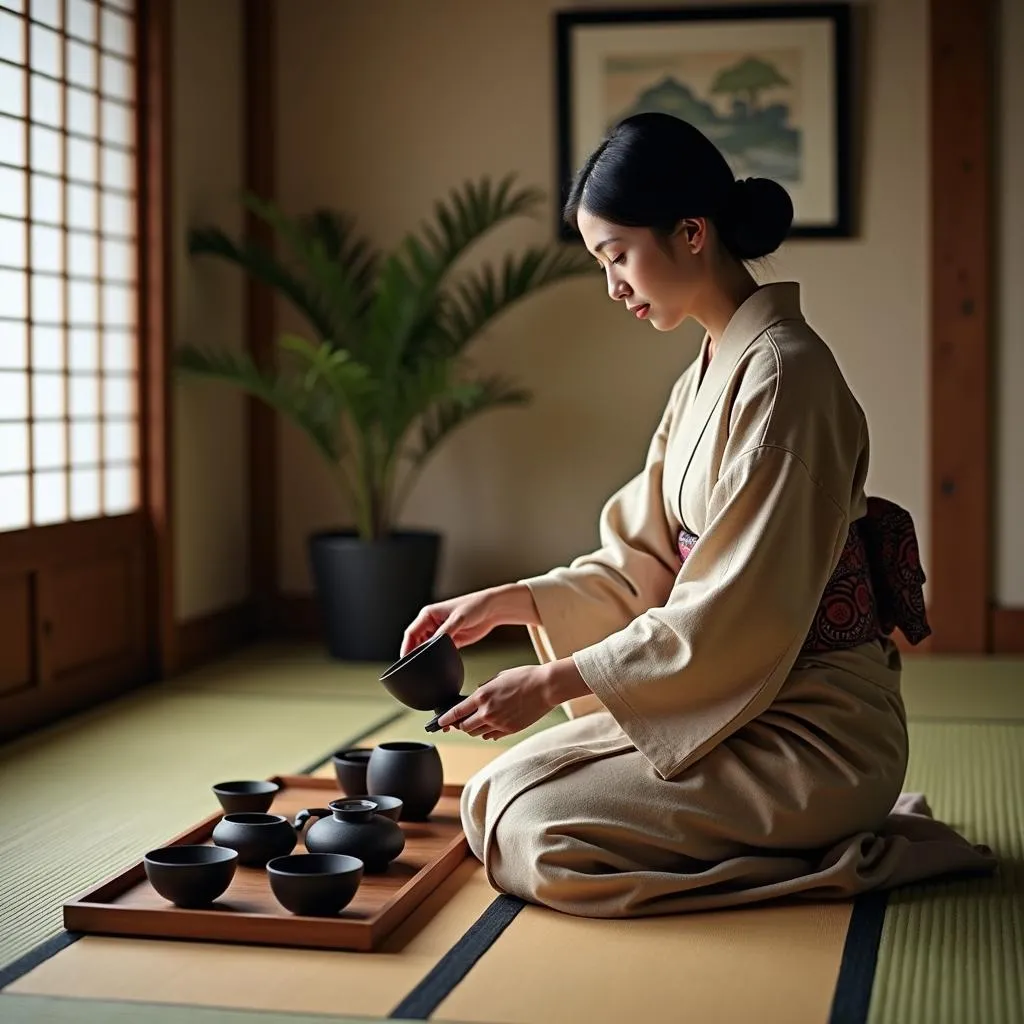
79 801
954 953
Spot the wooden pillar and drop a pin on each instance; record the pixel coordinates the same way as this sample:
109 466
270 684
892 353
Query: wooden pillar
154 125
259 88
961 111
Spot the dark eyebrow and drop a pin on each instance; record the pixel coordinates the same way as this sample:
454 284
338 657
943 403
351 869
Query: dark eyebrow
607 241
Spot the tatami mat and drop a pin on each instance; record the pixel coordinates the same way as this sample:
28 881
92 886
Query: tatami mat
941 686
954 953
81 801
304 670
48 1010
552 967
950 954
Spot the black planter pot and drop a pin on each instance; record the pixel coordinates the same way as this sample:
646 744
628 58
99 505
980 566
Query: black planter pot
369 591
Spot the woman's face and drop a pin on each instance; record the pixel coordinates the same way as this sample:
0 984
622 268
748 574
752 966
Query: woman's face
656 281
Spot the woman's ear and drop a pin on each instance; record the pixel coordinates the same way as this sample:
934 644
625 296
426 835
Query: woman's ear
693 231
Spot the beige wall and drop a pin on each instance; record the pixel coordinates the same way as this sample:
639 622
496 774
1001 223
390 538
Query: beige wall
1009 465
384 106
210 517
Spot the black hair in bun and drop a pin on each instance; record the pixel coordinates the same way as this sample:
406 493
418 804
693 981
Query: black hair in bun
654 170
756 218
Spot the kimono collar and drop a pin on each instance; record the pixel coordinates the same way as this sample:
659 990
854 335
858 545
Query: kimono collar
769 305
762 310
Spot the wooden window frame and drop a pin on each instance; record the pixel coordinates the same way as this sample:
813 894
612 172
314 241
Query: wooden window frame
155 217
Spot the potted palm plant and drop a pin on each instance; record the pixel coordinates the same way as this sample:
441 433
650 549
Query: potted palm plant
382 379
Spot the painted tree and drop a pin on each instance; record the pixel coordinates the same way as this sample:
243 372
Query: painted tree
748 78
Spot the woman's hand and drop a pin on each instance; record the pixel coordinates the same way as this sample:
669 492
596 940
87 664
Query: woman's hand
471 617
515 699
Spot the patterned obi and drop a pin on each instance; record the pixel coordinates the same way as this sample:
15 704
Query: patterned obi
875 588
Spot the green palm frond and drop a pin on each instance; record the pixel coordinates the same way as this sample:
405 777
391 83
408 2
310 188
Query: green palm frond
451 407
264 266
405 313
461 402
315 411
416 391
336 235
470 212
337 264
350 381
483 295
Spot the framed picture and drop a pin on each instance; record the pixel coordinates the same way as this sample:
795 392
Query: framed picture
769 85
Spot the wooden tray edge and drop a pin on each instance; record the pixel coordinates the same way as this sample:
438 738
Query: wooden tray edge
419 888
291 931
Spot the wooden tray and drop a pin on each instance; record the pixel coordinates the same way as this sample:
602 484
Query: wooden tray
248 912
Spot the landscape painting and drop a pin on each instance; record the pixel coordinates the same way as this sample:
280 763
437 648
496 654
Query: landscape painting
768 85
747 103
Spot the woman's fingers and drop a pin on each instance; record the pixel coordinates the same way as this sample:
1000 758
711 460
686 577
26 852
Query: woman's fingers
465 619
462 632
463 711
471 721
421 629
411 638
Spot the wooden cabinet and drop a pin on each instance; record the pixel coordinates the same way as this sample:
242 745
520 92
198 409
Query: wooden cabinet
73 622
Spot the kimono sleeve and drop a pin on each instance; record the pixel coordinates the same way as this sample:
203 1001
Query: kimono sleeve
680 678
631 571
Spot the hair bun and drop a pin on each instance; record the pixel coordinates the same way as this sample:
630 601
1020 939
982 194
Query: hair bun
760 214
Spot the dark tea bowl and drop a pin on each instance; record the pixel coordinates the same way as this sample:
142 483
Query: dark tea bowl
248 796
257 838
315 884
428 678
350 769
190 876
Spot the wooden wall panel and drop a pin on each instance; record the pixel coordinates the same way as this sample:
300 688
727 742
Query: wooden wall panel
16 629
95 616
80 588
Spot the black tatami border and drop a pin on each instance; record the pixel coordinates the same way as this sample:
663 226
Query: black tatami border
353 741
446 974
36 956
852 998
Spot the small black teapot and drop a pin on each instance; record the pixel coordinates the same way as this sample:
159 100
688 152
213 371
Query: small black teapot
354 828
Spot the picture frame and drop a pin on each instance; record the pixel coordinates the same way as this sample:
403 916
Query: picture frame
769 84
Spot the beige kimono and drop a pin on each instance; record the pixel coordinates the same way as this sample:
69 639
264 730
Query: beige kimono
715 763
